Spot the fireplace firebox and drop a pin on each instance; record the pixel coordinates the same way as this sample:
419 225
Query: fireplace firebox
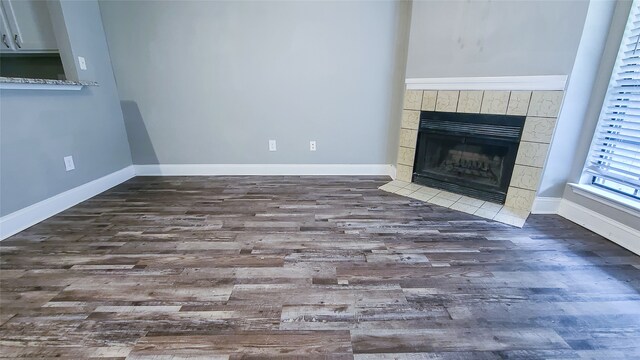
469 154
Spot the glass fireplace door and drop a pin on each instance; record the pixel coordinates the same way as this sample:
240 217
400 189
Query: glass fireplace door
477 164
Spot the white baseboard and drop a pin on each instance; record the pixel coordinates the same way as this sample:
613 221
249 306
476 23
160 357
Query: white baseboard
545 205
264 169
621 234
19 220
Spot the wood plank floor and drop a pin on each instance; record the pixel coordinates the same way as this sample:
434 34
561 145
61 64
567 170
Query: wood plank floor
309 267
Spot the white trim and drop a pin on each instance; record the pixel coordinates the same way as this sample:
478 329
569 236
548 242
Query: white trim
19 220
263 169
29 86
608 198
393 172
619 233
545 205
545 82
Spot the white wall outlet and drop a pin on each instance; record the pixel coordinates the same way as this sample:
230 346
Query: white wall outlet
312 145
82 62
68 163
272 145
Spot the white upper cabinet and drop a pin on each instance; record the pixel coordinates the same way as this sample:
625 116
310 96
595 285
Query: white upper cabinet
6 44
29 26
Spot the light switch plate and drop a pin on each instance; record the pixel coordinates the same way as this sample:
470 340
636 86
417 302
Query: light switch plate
312 145
272 145
82 62
68 163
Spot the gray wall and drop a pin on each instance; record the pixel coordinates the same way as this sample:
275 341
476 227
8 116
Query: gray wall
39 128
585 92
494 38
211 82
397 100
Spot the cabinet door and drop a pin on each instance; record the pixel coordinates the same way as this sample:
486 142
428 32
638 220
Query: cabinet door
30 25
6 44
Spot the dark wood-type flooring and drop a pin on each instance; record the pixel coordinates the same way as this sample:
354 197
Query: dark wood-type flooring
309 267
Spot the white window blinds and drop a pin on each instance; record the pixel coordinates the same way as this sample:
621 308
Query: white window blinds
614 161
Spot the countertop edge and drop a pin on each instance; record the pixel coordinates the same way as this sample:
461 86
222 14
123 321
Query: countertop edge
8 82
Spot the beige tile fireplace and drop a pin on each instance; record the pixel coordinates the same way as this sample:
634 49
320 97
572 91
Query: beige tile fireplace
541 110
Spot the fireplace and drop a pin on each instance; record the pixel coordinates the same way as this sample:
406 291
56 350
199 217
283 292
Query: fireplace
469 154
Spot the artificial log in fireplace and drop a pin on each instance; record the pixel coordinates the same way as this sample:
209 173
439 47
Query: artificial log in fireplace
469 154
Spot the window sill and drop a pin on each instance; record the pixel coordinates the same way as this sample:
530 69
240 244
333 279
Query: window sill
609 198
10 83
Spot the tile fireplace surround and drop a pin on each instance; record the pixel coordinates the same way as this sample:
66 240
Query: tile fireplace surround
541 110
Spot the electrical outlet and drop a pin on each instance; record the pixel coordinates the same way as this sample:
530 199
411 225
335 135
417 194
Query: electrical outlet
68 163
312 145
82 62
272 145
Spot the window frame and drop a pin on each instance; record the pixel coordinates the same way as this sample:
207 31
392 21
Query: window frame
587 185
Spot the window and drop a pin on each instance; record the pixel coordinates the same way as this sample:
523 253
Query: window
614 161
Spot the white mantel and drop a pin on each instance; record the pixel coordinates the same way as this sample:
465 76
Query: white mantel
544 82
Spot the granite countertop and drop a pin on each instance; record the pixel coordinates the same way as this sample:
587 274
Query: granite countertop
15 80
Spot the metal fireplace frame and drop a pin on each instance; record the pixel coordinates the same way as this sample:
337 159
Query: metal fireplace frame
479 129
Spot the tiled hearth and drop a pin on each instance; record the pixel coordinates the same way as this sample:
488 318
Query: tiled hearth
484 209
541 110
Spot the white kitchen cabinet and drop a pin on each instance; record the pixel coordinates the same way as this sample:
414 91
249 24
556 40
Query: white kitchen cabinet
29 26
5 42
